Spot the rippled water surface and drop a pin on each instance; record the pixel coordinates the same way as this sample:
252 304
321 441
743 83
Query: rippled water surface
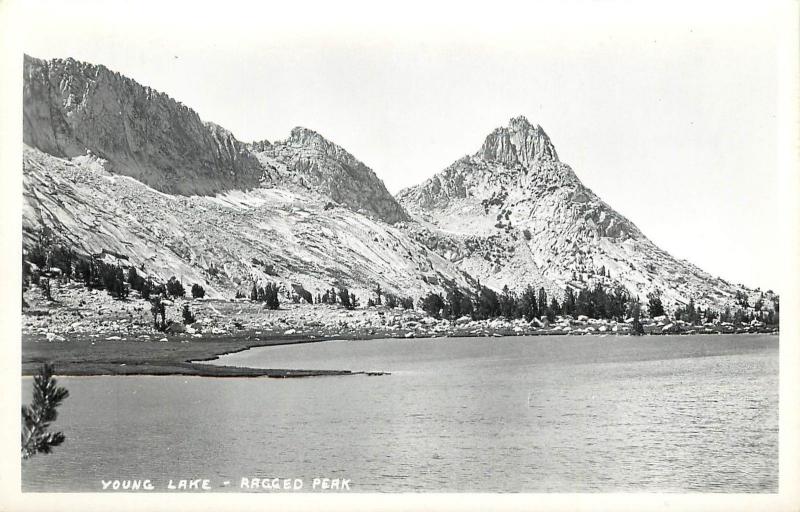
535 414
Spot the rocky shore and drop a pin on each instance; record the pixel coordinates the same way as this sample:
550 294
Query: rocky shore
87 332
80 313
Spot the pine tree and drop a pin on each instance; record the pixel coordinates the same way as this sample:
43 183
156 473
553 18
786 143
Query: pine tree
270 296
726 315
570 305
637 329
655 306
508 304
157 308
488 305
553 310
599 301
691 312
741 299
619 301
134 280
542 301
433 305
527 304
584 305
458 304
38 417
344 298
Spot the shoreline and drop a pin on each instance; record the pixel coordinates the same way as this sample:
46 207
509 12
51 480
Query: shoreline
180 357
87 332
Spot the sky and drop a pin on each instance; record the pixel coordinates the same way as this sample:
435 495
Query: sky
667 110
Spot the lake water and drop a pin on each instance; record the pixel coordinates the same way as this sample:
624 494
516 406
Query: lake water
530 414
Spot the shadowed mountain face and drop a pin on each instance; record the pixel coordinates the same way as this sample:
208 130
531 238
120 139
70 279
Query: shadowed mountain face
71 107
513 214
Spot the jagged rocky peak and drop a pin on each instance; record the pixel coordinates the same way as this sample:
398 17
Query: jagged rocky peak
71 107
260 145
512 214
311 140
309 160
519 143
307 137
494 169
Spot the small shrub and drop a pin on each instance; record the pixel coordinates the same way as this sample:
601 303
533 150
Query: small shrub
175 288
147 287
157 309
198 292
188 317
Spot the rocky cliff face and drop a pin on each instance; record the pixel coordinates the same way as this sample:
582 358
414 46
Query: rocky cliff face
513 214
310 161
229 241
71 107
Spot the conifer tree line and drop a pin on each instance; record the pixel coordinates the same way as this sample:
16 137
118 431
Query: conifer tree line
267 294
349 300
483 303
94 273
530 304
616 304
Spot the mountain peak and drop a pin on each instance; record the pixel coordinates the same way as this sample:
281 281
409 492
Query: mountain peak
312 161
302 134
519 143
521 122
310 139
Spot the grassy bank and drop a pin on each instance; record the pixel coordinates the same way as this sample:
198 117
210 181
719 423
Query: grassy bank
83 356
